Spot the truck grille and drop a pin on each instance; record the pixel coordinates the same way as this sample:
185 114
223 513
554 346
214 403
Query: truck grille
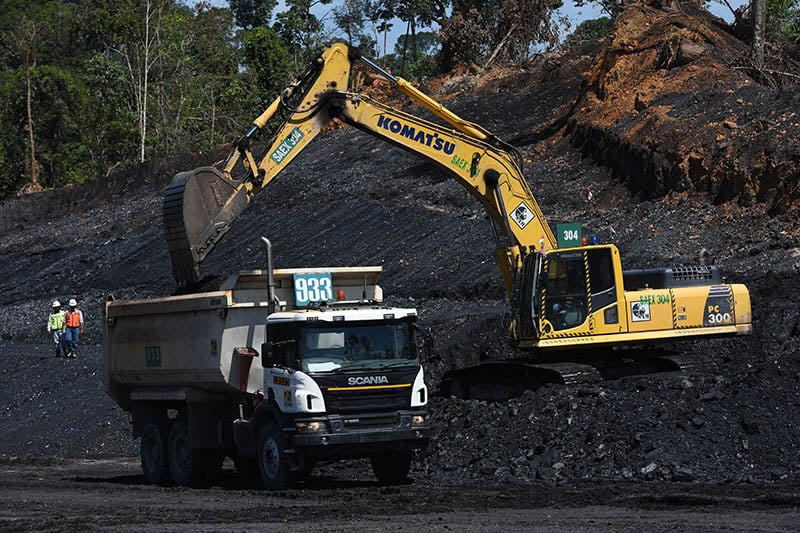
371 422
349 401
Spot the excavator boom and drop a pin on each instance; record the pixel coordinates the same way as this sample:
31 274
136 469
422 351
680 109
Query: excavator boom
200 205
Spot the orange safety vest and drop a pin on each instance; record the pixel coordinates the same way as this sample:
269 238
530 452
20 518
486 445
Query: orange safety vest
73 318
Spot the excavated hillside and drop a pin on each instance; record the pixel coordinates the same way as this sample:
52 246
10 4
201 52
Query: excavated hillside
685 156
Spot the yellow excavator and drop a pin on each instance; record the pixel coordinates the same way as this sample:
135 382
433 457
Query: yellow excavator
562 298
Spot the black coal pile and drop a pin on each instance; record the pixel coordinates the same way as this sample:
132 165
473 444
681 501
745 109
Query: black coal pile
350 199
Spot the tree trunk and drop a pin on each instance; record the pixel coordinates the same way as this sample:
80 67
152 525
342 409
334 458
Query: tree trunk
414 50
28 103
759 10
143 110
405 49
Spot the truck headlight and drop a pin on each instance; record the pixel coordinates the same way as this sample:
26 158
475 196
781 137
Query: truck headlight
418 420
310 427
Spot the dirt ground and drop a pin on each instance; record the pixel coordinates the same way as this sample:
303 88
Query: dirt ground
715 447
110 494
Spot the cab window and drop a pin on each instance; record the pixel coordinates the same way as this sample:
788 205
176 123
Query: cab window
565 294
601 276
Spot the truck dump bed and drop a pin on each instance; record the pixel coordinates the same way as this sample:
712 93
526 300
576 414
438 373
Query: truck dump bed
186 344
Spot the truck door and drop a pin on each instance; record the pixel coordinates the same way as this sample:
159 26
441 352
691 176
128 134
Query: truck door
277 379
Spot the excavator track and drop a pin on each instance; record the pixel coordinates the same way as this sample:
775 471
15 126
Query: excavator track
503 380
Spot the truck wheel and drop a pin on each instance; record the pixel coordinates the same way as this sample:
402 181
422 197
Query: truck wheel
185 463
153 452
272 461
391 468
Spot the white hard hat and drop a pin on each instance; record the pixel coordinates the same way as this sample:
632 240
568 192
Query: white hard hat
72 302
56 304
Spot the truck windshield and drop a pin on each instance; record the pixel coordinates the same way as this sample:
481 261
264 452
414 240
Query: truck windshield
353 346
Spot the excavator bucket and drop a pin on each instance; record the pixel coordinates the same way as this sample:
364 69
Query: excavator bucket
199 207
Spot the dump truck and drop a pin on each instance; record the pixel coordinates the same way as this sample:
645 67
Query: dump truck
277 370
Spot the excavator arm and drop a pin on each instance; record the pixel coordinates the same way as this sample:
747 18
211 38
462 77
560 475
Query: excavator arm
200 205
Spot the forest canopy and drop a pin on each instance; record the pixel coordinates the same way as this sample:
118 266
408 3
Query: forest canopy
87 86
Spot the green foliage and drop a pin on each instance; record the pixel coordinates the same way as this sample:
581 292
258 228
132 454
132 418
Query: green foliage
783 22
112 79
301 30
268 61
351 17
58 101
505 30
249 14
419 64
589 30
610 7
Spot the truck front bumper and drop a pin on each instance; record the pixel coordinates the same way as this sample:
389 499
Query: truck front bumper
340 440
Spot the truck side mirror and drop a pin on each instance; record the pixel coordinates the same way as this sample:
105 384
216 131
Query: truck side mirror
267 357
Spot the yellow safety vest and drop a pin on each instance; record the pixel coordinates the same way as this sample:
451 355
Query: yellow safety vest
57 320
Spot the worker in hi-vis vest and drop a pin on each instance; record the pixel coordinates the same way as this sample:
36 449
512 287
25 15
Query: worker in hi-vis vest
74 327
55 325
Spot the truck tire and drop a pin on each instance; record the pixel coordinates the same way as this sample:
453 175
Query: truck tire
391 468
272 461
186 464
153 452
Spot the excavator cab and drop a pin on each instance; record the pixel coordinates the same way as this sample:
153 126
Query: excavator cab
577 284
573 297
571 292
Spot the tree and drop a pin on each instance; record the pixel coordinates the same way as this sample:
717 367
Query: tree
58 101
301 30
351 17
589 30
416 64
215 58
249 14
139 52
484 31
610 7
25 40
268 61
27 37
112 138
759 10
